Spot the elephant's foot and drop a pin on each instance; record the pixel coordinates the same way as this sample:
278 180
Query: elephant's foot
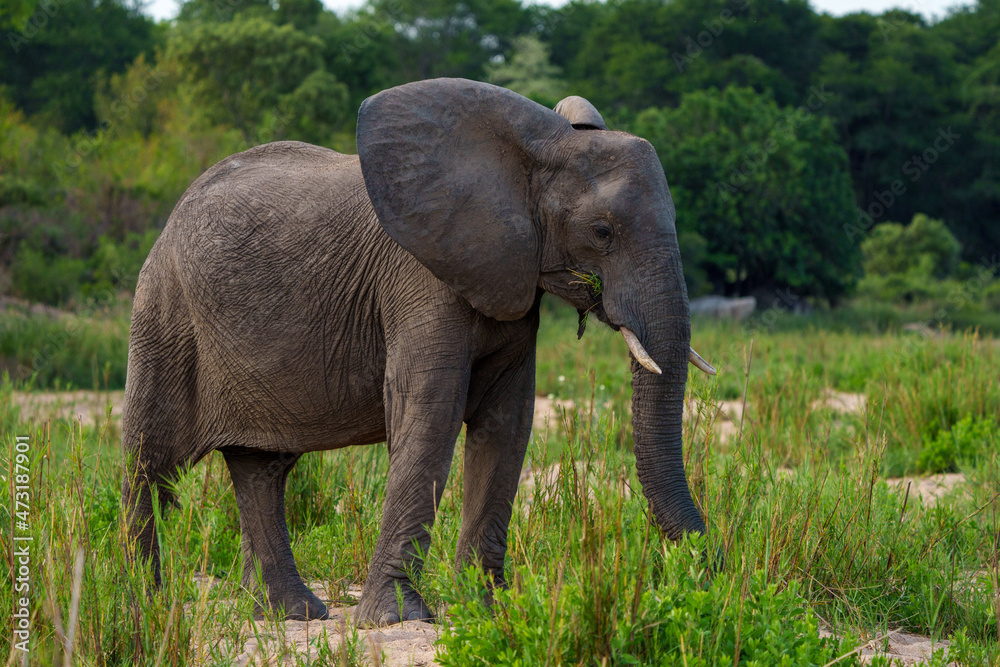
295 603
380 606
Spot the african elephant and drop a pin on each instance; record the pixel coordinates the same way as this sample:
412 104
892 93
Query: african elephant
301 300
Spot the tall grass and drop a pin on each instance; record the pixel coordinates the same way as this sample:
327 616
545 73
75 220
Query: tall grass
797 507
829 543
918 385
86 350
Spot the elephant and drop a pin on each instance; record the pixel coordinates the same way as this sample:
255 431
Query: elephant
299 299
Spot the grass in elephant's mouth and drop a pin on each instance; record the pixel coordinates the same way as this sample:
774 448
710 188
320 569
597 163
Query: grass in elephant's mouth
591 280
811 533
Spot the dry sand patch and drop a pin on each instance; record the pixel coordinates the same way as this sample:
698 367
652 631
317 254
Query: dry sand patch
930 489
844 402
725 418
548 412
288 642
903 648
87 407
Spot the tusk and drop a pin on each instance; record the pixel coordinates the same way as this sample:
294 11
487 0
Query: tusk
639 352
696 359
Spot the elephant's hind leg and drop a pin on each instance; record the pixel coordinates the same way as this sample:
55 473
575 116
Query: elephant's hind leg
159 436
259 483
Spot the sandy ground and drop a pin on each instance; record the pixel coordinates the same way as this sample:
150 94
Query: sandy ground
412 643
89 407
548 412
83 406
930 489
403 645
902 648
841 401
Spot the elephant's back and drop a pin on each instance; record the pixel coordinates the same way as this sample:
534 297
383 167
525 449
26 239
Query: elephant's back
272 249
270 228
270 205
300 180
271 163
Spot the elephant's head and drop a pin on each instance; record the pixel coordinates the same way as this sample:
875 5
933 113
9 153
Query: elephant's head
499 196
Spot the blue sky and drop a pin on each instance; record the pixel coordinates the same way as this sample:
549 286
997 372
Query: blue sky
162 9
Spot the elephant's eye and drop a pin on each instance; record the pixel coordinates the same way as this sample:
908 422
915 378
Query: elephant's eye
602 233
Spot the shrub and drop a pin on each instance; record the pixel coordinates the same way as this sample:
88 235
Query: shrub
116 266
962 444
49 280
683 618
892 248
904 264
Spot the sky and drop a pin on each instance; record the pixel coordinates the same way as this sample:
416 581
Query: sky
165 9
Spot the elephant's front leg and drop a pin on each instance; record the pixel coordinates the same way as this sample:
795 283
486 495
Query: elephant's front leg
424 401
495 444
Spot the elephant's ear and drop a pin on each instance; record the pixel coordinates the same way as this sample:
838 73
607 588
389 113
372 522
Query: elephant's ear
581 114
447 164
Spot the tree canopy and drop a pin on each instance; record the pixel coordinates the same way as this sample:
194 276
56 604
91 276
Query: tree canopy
766 186
788 137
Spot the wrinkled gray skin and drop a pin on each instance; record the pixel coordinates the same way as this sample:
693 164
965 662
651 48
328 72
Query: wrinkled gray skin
302 300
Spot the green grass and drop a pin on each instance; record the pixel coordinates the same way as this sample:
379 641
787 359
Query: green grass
84 350
811 533
916 386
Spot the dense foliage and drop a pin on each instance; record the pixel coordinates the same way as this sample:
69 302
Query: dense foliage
787 136
767 187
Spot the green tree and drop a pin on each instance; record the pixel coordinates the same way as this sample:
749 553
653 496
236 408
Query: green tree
450 38
766 186
14 14
912 104
128 102
266 80
633 54
882 101
51 68
362 50
301 14
894 248
529 72
908 263
202 11
974 194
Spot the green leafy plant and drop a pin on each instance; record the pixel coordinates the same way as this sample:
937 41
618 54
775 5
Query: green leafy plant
962 444
683 618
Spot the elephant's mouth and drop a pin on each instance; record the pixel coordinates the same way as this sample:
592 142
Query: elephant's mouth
595 307
643 357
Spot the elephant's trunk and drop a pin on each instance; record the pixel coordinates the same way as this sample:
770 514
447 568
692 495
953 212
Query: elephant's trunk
658 407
